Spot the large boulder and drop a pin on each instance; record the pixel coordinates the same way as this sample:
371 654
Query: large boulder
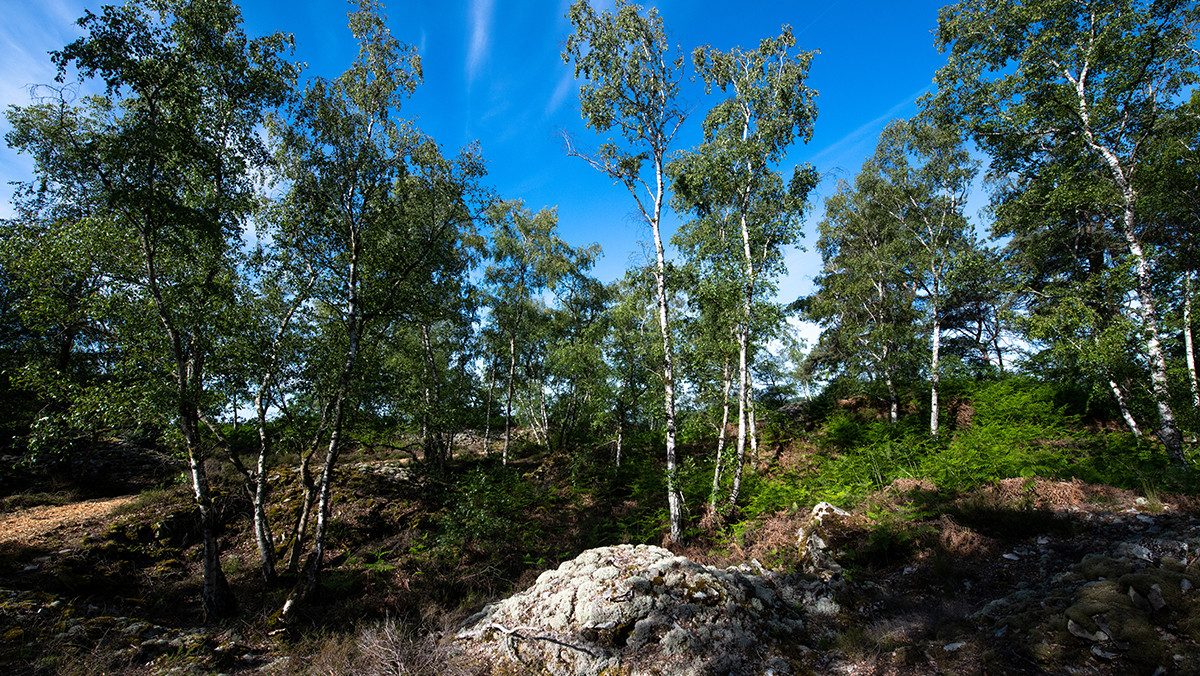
643 610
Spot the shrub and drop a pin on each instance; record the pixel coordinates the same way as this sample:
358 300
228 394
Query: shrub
1017 429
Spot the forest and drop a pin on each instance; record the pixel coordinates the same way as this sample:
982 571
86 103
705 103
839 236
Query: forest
276 284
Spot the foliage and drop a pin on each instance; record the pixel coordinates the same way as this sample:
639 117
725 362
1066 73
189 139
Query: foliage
484 509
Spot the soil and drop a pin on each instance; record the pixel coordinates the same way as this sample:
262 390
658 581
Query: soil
58 525
1026 576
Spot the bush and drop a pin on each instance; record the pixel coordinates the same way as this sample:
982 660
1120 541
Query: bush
1017 429
843 431
485 508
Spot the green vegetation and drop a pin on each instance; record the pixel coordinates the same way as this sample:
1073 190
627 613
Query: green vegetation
445 402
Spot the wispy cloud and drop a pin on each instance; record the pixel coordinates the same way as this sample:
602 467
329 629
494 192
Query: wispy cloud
838 149
566 84
481 37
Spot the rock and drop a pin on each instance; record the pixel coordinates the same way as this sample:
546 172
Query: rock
1133 551
1138 600
1103 654
1077 630
814 539
643 610
1155 598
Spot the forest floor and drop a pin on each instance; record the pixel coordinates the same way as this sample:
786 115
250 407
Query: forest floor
1025 576
49 525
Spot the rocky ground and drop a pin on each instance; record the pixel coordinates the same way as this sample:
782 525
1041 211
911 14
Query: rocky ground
1023 577
1077 580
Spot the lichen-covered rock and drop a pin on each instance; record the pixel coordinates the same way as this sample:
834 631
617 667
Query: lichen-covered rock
643 610
814 539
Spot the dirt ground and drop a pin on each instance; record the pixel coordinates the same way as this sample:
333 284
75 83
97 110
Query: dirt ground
58 525
1026 576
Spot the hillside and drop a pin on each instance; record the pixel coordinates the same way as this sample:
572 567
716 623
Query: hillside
1024 575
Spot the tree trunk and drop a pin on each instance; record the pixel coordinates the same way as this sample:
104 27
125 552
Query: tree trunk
512 372
262 525
303 518
674 498
740 460
1169 432
300 528
745 394
433 397
541 399
487 426
189 355
215 595
1124 407
752 418
893 397
354 326
620 434
935 375
726 382
1187 340
309 580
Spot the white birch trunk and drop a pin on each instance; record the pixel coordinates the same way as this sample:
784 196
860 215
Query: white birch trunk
1169 431
1124 408
726 382
740 460
935 373
620 434
674 498
1187 340
512 371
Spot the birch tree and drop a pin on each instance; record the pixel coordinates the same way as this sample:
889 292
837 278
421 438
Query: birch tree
1032 78
927 176
160 163
631 84
377 212
863 299
528 258
730 181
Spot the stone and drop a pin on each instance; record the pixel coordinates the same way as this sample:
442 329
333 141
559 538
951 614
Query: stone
813 540
1077 630
642 610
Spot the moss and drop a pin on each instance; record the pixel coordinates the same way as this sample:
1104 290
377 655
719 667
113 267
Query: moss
1169 584
1191 627
1105 593
1096 567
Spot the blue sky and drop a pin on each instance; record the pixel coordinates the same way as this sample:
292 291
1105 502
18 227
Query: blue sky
494 74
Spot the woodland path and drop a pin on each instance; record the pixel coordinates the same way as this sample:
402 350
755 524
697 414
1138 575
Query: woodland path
43 525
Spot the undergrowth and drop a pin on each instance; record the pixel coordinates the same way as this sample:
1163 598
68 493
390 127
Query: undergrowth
1015 428
451 541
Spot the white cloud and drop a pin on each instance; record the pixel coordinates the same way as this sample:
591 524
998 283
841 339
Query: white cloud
481 37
